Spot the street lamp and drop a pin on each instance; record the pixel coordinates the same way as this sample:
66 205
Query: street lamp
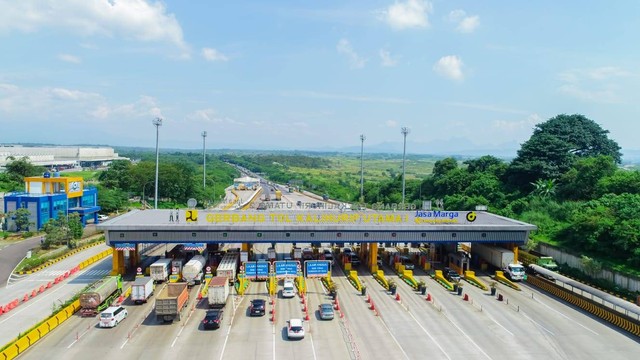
362 139
143 192
204 161
404 131
157 122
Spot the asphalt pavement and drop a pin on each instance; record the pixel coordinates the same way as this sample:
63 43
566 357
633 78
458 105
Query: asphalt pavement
12 254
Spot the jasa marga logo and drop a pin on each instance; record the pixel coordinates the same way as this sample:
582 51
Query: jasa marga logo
437 214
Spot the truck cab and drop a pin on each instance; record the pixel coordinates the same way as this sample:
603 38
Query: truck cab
515 272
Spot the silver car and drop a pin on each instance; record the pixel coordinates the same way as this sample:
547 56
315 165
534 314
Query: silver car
326 311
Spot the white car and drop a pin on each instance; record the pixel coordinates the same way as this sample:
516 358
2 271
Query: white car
112 316
103 217
288 290
295 329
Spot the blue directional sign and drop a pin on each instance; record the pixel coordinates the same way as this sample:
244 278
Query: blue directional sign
286 268
262 269
250 269
316 268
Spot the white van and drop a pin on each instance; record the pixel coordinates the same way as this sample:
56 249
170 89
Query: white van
112 316
289 290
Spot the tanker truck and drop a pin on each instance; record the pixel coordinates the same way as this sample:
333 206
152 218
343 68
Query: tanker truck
100 295
192 271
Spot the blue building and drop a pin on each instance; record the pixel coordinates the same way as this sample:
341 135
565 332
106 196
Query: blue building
45 196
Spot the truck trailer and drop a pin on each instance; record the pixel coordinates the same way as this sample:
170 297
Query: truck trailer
142 289
228 266
100 295
160 270
501 258
218 291
192 271
170 301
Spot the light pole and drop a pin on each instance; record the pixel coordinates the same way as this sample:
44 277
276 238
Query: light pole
204 161
404 131
143 192
362 139
157 122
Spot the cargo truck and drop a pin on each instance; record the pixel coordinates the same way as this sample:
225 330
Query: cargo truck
278 195
192 271
100 295
142 289
228 266
170 301
501 258
532 257
160 270
218 291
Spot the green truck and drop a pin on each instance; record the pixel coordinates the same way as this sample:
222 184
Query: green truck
533 257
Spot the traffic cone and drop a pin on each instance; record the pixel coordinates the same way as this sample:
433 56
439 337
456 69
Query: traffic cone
397 297
34 293
41 290
56 280
1 310
25 298
304 308
465 297
306 317
369 298
373 306
49 285
428 297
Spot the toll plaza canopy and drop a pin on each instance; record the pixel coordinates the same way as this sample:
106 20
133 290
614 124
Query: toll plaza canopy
289 226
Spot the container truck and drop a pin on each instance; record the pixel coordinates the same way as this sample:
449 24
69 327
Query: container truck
192 271
501 258
218 291
142 289
170 301
228 266
100 295
160 270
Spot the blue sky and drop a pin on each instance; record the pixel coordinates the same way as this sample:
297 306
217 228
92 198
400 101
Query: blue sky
314 74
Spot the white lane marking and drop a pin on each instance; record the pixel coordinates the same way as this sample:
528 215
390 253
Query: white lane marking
394 338
313 348
80 336
497 323
233 315
273 333
540 325
12 272
430 337
467 336
563 315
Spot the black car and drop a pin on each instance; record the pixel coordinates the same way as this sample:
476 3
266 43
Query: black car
212 320
257 307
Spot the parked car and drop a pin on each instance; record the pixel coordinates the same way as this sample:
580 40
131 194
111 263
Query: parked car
326 311
347 250
257 307
328 255
212 319
112 316
295 329
102 217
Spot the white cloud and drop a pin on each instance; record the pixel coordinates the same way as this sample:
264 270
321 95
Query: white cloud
129 19
391 123
516 126
594 85
486 107
319 95
344 47
466 24
146 106
211 116
213 55
386 58
69 58
409 14
450 67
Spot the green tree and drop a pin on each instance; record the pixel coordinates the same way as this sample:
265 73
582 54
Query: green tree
75 226
22 219
58 230
581 182
117 176
544 188
18 169
442 167
620 182
555 145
